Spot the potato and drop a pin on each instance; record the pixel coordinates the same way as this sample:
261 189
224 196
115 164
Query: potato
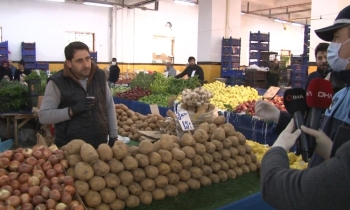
146 197
253 157
138 174
225 154
74 146
164 169
219 120
245 168
115 166
105 152
134 150
240 160
214 178
171 190
241 150
142 160
175 166
184 175
207 158
218 145
222 175
151 171
102 206
132 201
83 171
186 163
198 161
210 147
135 188
247 159
177 154
205 181
74 159
130 163
166 142
112 180
241 138
233 151
182 187
206 170
189 152
216 156
200 136
227 143
175 139
238 170
234 140
156 146
204 126
120 150
123 107
146 147
229 129
158 194
247 148
193 184
196 172
187 140
71 172
231 163
219 134
122 192
199 148
154 158
92 199
224 165
81 187
101 168
231 174
161 181
166 155
125 177
117 204
148 185
97 183
88 153
212 128
252 167
108 195
215 166
173 178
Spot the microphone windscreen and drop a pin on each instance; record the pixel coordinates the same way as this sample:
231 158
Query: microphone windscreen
294 100
319 94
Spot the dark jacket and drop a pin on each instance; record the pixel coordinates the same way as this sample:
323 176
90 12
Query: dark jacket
18 73
188 71
91 126
114 72
313 75
4 72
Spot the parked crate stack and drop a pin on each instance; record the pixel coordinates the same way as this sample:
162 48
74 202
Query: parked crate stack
44 66
254 78
93 56
299 66
4 50
259 44
29 55
306 40
230 61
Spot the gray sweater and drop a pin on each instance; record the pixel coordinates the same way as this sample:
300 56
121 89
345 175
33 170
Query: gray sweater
50 114
326 186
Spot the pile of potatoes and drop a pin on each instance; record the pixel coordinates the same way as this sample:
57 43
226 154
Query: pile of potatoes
123 176
130 122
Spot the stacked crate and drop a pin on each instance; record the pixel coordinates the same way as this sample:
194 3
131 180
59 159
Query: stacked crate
254 78
93 56
306 40
259 46
4 51
29 55
230 61
299 65
44 66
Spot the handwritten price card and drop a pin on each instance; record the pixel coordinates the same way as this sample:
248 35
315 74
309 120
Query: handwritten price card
184 120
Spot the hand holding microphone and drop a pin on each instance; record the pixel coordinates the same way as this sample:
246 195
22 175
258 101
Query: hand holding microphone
288 137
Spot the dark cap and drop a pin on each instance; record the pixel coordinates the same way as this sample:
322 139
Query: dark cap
343 19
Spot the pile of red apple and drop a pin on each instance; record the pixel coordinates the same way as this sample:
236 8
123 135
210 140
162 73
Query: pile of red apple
278 102
248 107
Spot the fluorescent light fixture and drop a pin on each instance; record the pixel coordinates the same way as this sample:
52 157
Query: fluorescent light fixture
279 21
57 0
97 4
297 24
242 13
184 3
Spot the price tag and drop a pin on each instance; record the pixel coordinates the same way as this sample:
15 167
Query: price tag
117 85
193 72
184 120
125 85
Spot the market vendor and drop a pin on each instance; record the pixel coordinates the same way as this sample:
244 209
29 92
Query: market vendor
192 70
5 71
21 70
78 101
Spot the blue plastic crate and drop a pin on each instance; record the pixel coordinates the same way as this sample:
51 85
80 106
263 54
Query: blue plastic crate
28 58
307 29
42 65
227 50
93 54
231 73
4 44
254 55
298 84
4 50
29 65
253 63
299 76
300 68
4 57
259 46
28 44
28 51
229 58
260 37
231 42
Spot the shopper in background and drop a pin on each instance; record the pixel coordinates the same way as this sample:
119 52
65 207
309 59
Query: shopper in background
78 101
321 63
5 71
192 69
114 72
12 68
170 69
21 70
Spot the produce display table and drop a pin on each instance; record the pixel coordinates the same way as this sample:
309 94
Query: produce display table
253 202
15 117
139 107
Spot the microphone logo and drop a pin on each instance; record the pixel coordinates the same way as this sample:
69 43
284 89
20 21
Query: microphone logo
294 97
324 95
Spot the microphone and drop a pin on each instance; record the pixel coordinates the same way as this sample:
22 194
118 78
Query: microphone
295 104
318 98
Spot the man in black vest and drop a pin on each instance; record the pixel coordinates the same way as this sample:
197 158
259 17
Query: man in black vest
78 101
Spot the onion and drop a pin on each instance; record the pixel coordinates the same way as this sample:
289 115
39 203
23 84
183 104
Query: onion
46 166
27 206
4 162
13 201
24 188
17 193
47 153
45 182
37 167
58 168
19 150
23 178
13 175
54 159
25 198
4 194
19 157
8 154
34 191
27 152
61 177
13 166
32 161
70 189
8 188
37 154
66 198
55 180
51 173
41 162
39 173
79 207
59 153
61 206
3 172
4 180
51 203
40 207
45 192
25 168
38 199
64 163
73 204
39 147
68 180
15 184
57 187
10 208
33 181
55 194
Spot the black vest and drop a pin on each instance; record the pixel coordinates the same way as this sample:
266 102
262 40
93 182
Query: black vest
91 126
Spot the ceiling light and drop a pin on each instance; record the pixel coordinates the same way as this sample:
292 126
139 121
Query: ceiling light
97 4
57 0
279 21
184 2
297 24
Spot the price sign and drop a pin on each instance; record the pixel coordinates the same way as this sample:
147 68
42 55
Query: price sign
184 120
125 85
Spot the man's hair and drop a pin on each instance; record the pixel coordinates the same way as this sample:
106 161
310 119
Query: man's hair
191 58
70 49
114 59
321 47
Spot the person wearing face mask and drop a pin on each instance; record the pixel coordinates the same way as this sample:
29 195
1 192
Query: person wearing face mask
191 70
114 72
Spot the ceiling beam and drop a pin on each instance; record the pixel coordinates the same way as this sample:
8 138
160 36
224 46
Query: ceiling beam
286 12
282 7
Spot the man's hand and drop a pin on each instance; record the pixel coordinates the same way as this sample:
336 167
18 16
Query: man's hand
81 106
323 142
267 111
288 137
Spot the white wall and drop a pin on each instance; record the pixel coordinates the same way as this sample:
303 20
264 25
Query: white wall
46 22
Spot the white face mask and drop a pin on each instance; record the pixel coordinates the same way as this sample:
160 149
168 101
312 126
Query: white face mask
113 63
335 62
